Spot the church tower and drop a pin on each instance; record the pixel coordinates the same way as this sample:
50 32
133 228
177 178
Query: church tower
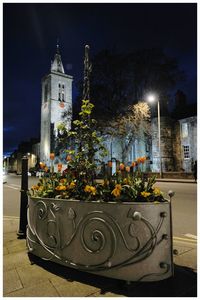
56 105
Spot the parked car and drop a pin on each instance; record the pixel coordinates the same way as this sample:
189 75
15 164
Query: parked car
32 172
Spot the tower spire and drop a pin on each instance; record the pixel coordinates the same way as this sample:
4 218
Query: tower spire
57 47
57 65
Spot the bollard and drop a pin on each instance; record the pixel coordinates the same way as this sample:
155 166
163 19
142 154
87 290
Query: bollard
24 199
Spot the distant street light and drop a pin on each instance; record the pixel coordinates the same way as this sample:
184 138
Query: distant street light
153 98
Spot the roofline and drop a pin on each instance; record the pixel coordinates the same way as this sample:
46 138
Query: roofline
56 73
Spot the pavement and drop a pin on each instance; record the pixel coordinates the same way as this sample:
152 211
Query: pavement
28 276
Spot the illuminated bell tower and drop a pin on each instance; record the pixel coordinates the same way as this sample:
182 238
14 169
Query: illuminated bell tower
56 103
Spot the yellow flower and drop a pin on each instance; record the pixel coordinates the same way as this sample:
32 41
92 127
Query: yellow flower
72 185
87 189
157 191
117 190
126 181
90 189
93 190
35 187
61 188
145 194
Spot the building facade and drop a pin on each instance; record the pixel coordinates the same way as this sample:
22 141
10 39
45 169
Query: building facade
56 105
188 142
178 146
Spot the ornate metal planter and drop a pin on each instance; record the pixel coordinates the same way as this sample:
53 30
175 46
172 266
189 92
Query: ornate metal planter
129 241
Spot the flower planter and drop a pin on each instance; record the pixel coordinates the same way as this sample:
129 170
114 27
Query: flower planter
130 241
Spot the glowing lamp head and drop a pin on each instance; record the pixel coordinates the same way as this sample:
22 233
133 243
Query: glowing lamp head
151 98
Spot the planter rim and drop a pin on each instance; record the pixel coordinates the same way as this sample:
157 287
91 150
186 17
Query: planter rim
167 201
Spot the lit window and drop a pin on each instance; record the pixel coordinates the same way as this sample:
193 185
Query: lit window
184 130
186 151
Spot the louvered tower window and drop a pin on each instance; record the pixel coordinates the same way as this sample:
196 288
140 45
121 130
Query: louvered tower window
63 92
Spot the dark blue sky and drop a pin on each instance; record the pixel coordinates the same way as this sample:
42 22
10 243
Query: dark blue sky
29 44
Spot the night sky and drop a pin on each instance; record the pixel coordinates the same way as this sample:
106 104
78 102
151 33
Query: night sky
30 33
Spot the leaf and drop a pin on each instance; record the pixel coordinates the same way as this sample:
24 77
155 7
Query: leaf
132 230
71 214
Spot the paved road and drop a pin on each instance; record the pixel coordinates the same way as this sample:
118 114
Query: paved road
184 203
184 207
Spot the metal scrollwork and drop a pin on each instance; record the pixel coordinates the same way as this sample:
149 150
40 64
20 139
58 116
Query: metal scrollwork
42 210
99 235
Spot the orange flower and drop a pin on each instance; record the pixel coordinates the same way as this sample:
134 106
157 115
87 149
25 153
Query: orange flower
69 158
143 159
133 164
127 169
42 165
117 190
63 180
110 164
121 166
59 167
52 156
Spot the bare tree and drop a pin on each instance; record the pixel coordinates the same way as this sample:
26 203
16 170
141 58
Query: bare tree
135 124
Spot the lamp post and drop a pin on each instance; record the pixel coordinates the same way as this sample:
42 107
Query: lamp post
152 98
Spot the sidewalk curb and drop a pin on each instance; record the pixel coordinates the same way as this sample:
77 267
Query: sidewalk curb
175 180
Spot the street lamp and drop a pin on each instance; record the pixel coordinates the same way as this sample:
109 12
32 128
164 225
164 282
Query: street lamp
153 98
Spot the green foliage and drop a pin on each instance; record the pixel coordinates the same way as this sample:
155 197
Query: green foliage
124 186
78 180
86 143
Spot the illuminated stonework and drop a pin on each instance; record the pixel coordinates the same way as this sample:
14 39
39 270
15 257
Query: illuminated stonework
56 101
